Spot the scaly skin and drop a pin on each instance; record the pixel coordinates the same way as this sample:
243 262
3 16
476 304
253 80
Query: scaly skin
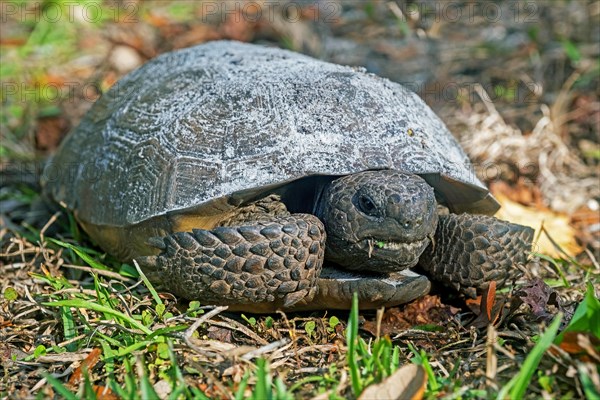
376 222
470 251
268 262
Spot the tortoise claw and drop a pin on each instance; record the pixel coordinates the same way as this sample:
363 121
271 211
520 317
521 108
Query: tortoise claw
148 262
157 242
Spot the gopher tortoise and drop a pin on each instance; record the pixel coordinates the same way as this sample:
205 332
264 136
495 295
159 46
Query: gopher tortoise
262 179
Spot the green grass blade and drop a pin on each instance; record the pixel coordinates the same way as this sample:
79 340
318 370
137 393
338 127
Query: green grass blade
431 378
281 392
108 358
521 381
395 359
178 381
153 291
420 358
586 317
131 348
60 388
167 330
557 266
83 255
99 308
262 390
239 394
146 388
68 327
352 339
88 389
108 339
129 379
181 391
587 384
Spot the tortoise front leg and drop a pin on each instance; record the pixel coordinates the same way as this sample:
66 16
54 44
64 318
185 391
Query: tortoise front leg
469 251
263 265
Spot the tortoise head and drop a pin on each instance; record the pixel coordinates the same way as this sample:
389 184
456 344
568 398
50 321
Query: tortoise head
378 220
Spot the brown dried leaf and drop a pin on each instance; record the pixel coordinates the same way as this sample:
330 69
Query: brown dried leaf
489 308
50 131
520 192
539 297
104 393
408 382
195 35
586 220
423 311
557 225
156 19
428 310
489 300
14 41
583 345
237 27
87 364
220 334
50 79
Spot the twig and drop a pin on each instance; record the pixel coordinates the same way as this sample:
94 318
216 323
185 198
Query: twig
233 324
491 365
52 220
265 349
110 274
190 331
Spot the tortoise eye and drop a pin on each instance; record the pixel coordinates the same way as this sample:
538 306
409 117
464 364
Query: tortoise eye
367 205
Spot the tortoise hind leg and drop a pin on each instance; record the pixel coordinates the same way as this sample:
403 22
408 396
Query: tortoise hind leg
259 267
470 251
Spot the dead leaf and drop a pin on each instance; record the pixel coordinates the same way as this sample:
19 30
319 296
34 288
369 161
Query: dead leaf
489 308
220 334
237 27
520 192
87 364
489 300
537 295
104 393
408 382
14 41
586 220
423 311
156 19
50 79
583 345
543 301
49 132
195 35
557 225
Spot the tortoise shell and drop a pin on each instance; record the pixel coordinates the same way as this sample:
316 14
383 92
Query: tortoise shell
192 134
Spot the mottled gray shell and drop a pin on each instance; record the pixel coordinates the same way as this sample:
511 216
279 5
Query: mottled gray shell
225 117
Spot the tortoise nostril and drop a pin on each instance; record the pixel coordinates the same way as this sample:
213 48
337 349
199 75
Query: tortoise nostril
411 223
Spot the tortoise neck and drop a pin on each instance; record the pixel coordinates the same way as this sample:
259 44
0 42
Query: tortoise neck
320 203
